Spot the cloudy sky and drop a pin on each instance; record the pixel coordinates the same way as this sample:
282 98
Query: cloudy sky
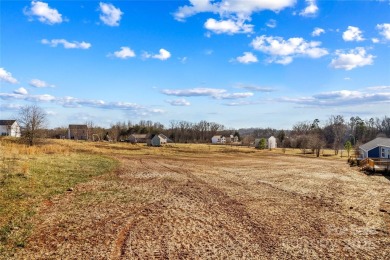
241 63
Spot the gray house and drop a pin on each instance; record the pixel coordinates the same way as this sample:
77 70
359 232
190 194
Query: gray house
158 140
377 148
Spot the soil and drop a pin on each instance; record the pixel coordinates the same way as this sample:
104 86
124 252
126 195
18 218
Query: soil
238 205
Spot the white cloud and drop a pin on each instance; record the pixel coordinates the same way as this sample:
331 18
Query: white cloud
317 31
247 58
237 8
124 53
353 34
233 13
110 14
384 30
271 23
7 76
283 51
375 40
342 98
311 8
234 95
193 92
44 13
179 102
67 44
10 107
255 88
354 58
229 26
40 84
206 92
21 91
72 102
162 55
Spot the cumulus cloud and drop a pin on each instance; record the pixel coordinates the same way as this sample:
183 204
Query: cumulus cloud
232 7
311 8
341 98
110 15
178 102
384 30
247 58
37 83
375 40
124 53
237 12
228 26
206 92
353 34
21 91
162 55
283 51
317 32
43 12
7 76
351 59
67 44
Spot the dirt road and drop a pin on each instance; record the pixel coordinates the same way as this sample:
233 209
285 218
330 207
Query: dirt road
254 206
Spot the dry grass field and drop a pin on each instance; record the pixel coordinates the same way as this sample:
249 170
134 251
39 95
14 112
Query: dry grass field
204 201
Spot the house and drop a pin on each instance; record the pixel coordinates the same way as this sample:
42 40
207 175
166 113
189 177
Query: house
377 148
9 128
218 139
158 140
138 138
231 139
272 142
78 132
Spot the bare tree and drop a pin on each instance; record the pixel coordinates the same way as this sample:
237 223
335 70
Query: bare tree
32 120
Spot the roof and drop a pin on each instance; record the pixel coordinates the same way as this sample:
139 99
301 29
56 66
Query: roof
7 122
163 136
78 126
217 136
379 141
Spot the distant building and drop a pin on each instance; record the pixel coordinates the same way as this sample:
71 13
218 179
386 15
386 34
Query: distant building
138 138
78 132
377 148
272 143
231 139
218 139
158 140
9 128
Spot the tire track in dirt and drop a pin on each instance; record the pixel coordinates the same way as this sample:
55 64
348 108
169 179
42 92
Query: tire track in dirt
212 202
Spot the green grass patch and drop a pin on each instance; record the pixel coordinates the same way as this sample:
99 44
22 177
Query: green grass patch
23 189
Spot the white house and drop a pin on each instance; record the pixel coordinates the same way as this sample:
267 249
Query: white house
377 148
272 142
9 128
158 140
218 139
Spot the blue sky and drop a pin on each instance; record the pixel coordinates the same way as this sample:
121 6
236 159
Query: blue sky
258 63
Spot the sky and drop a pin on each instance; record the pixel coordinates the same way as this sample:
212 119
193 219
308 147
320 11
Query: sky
255 63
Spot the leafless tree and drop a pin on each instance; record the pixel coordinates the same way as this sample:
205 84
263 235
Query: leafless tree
32 120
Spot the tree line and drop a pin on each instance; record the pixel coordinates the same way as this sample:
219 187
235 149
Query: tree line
333 133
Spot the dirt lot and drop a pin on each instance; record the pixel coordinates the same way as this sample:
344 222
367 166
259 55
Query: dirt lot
257 205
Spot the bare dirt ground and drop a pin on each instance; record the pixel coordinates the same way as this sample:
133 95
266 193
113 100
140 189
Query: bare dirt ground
238 205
